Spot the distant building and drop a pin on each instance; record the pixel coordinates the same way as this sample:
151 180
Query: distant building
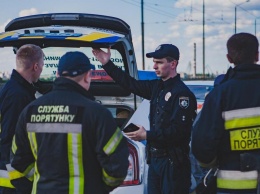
5 75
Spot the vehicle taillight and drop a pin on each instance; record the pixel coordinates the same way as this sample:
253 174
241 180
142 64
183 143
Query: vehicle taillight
132 177
199 106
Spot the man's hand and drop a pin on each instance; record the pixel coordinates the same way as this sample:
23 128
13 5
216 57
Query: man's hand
138 135
102 56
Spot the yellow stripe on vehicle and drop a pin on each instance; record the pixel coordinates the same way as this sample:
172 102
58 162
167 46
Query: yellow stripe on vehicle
34 37
113 142
91 37
4 35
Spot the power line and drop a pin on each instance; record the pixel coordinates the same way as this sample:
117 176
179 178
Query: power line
150 8
244 9
162 12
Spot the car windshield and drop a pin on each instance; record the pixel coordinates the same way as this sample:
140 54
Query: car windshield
200 91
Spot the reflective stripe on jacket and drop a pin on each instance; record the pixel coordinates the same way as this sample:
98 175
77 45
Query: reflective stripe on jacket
229 129
230 179
4 179
73 141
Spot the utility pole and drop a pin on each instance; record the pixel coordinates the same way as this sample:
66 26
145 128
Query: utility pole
235 19
142 29
203 40
194 63
236 13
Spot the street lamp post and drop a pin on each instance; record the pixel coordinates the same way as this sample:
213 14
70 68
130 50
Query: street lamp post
236 14
142 29
203 39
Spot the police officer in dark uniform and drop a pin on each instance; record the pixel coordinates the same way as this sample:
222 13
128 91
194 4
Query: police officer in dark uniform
72 141
18 92
172 110
227 132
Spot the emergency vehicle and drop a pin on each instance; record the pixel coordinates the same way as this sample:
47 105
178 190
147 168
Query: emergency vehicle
58 33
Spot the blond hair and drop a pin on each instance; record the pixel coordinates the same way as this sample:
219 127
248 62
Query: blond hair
27 55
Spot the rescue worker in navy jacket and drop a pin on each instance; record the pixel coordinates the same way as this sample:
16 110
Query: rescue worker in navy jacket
227 132
172 110
18 92
72 142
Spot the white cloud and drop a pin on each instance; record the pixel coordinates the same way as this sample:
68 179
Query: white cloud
27 12
2 27
193 30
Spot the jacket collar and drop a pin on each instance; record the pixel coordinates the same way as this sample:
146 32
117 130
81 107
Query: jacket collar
63 83
17 77
170 82
245 71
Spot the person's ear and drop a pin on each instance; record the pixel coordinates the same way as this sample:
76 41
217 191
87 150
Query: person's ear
229 59
174 63
57 74
87 76
35 66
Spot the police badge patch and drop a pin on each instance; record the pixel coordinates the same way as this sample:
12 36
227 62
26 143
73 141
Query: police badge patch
184 102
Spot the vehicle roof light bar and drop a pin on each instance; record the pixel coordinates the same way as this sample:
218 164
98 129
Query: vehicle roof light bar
65 17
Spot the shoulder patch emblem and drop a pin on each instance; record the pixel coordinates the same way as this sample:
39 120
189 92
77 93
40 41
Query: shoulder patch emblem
184 102
167 96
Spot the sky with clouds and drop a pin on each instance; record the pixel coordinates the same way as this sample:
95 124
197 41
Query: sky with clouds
179 22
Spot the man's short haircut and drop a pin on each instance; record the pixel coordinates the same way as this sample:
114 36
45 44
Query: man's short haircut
27 55
242 48
170 59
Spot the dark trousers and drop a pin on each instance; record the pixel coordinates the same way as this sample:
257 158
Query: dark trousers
166 178
5 190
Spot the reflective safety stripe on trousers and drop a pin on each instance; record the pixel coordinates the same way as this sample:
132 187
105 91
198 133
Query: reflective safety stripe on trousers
244 128
237 180
74 143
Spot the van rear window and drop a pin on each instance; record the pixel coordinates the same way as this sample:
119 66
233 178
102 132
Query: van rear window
52 56
51 59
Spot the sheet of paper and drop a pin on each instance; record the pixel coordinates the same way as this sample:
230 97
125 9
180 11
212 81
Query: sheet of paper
141 115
